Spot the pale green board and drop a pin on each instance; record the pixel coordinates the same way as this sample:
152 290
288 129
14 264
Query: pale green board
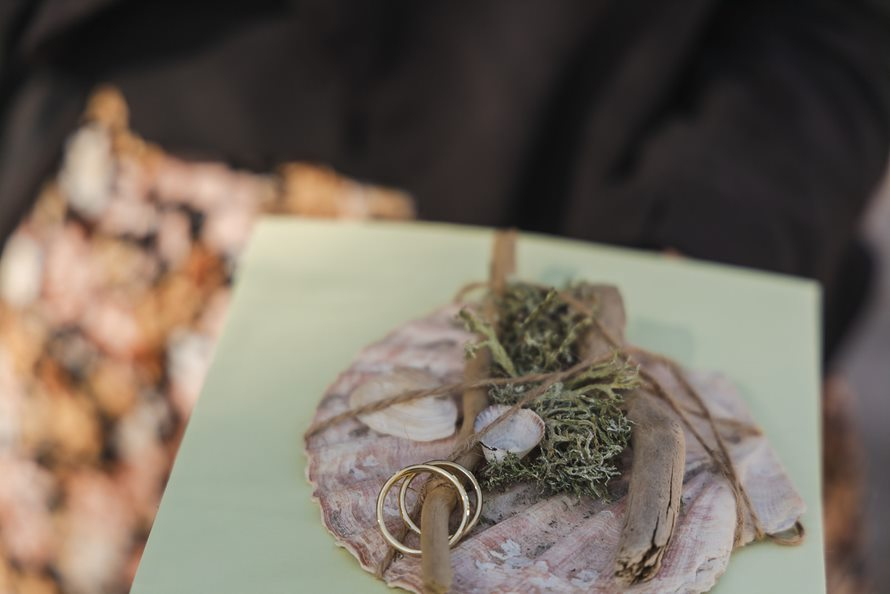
237 515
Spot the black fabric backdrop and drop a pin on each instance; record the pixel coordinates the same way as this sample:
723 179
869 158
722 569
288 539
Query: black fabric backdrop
748 132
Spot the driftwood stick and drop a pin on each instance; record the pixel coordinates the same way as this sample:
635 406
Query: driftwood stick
659 456
656 483
440 498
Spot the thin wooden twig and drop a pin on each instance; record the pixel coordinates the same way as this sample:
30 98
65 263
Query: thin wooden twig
440 498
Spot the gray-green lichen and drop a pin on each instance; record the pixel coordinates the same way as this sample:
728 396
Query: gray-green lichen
586 428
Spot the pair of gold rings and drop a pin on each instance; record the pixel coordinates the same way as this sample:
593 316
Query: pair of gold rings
443 469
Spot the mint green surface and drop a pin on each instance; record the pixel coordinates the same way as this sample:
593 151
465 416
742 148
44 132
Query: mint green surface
237 515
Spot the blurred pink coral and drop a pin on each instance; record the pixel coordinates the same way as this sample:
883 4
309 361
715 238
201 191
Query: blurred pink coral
25 495
113 292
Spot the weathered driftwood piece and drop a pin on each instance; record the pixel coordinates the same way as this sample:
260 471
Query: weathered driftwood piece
659 456
656 483
440 498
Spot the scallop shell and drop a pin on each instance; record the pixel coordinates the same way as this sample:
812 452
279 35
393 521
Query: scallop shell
525 541
426 419
517 435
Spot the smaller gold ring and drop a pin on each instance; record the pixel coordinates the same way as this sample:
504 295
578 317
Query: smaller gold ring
403 491
411 471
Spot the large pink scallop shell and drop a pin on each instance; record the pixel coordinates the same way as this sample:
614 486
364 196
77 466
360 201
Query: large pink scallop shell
524 542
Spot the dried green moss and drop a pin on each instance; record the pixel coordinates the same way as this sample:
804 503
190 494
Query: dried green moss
586 429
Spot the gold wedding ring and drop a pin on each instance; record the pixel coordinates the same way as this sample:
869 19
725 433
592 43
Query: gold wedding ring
468 518
403 491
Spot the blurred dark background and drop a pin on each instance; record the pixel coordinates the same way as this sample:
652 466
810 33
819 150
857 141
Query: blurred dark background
753 133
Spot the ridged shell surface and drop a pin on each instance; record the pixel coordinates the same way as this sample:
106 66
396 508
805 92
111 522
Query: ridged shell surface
517 435
424 419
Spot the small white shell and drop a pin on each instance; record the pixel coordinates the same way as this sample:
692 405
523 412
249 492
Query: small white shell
517 435
426 419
